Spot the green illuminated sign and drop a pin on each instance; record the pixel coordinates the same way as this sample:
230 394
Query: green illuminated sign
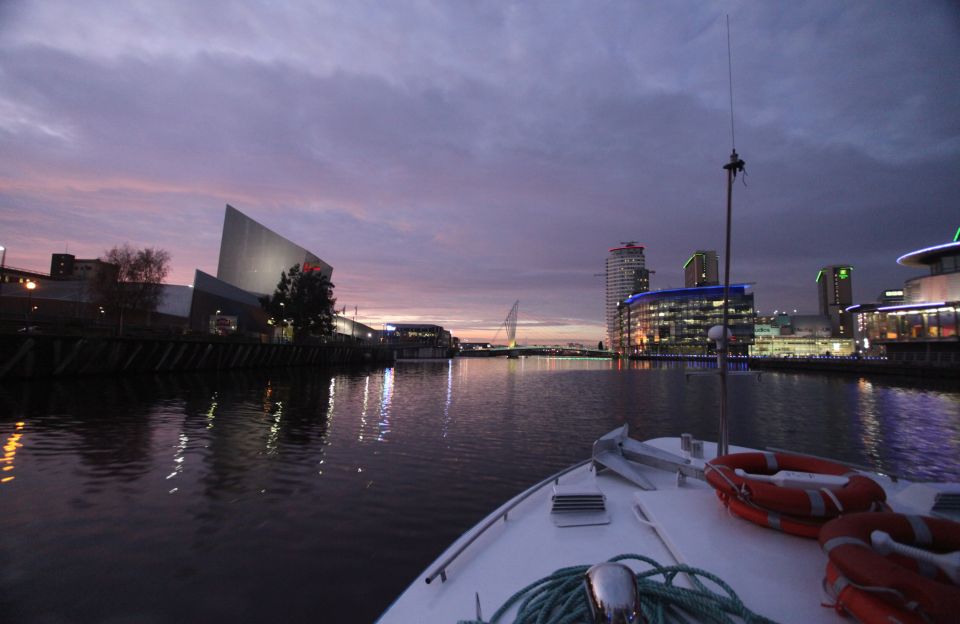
956 237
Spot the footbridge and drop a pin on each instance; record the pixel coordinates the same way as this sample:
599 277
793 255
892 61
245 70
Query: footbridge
543 350
512 349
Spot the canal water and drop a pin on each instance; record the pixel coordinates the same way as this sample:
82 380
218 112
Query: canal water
301 495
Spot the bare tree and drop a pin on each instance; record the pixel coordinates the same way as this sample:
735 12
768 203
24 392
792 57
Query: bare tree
135 282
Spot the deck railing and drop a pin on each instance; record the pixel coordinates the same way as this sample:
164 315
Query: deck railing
441 570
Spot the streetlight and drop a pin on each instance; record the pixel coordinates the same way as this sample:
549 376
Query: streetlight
30 287
283 323
3 264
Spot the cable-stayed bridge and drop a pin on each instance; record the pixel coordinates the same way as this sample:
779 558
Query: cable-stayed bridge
512 349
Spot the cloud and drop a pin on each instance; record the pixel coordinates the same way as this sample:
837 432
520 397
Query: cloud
451 158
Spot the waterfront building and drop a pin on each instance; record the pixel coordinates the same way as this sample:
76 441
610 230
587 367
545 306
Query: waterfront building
702 269
942 281
417 333
800 346
252 256
892 296
626 274
798 335
68 267
835 290
676 321
923 329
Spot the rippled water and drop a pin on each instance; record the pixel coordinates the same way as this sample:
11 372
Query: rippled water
305 495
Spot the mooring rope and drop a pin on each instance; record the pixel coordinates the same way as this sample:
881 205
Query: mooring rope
560 598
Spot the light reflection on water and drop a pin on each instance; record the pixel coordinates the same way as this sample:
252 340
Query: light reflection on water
280 495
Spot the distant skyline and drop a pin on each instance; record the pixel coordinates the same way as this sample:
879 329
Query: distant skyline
449 158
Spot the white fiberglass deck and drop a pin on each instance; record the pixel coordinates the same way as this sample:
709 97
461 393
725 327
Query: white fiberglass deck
775 574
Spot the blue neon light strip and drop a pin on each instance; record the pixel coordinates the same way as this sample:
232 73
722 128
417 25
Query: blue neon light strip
926 249
853 307
908 306
674 291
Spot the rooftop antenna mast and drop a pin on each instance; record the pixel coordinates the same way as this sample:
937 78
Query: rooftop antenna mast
734 166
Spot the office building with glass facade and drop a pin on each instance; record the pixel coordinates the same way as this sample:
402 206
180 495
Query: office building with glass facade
676 321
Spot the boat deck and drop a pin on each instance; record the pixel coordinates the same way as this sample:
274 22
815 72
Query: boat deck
775 574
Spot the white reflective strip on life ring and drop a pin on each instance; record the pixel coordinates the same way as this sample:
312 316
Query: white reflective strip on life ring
771 461
921 532
833 497
773 519
818 507
844 540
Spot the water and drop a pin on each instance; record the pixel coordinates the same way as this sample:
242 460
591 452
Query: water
303 495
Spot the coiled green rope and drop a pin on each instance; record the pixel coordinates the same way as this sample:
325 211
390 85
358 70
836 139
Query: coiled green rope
560 598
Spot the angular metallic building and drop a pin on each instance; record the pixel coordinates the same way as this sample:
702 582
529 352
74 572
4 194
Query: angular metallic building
253 256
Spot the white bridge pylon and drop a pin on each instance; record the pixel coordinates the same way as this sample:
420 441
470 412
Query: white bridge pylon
510 323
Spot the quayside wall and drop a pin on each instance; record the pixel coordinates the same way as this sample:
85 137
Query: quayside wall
827 365
36 356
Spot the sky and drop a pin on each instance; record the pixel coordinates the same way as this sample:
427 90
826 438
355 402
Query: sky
449 158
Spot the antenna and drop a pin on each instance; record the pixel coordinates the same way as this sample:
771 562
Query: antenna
733 138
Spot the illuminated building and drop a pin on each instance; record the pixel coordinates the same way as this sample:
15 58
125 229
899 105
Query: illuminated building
253 256
420 334
676 321
626 274
701 269
924 328
942 283
835 289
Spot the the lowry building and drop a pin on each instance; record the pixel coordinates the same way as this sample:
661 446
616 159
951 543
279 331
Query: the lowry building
923 328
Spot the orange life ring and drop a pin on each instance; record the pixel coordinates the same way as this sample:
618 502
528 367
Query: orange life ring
863 605
861 493
846 541
802 527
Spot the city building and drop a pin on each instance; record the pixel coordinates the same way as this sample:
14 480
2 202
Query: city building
67 266
942 281
417 333
252 256
892 296
923 329
835 290
626 274
676 321
702 269
798 335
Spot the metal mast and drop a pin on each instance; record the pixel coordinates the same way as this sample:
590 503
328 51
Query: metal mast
511 324
733 167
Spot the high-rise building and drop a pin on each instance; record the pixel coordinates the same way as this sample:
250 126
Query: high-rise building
626 275
835 288
701 269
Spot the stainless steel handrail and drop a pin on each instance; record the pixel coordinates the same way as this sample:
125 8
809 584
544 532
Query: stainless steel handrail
441 570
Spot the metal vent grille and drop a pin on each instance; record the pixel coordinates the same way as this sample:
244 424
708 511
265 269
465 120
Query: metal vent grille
578 506
947 503
589 502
